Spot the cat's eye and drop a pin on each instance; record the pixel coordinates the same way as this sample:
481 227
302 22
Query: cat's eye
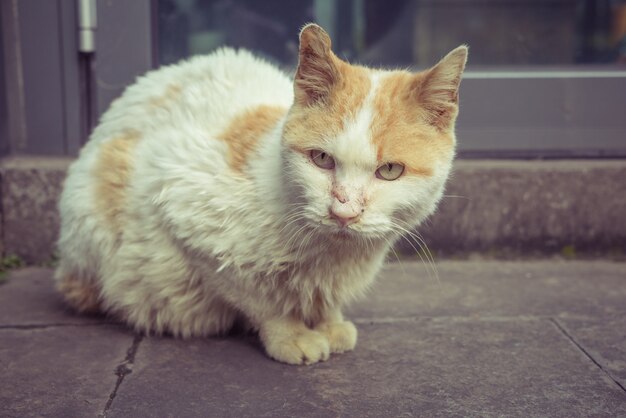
322 159
390 171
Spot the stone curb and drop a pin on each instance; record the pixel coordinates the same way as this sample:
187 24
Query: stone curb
500 207
494 207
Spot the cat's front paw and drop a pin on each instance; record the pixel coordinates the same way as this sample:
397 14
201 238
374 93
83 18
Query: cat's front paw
341 335
292 342
303 348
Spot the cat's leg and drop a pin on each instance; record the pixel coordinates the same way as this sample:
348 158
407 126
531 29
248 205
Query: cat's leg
341 334
79 289
165 298
289 340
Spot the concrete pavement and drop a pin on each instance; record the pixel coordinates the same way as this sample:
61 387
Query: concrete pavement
532 338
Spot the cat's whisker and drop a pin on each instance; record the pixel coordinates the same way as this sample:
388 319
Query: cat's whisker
303 245
428 254
422 244
419 254
305 242
415 234
370 243
291 219
429 266
393 250
446 196
424 247
296 204
288 245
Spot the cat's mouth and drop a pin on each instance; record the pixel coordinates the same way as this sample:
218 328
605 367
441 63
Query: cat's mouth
358 230
342 231
330 226
352 234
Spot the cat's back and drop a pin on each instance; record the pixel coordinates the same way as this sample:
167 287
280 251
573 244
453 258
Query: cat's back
204 92
176 114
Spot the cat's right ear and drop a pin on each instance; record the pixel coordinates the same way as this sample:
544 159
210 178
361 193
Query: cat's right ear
438 88
317 71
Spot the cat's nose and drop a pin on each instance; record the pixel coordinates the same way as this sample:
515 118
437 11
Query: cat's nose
344 214
343 221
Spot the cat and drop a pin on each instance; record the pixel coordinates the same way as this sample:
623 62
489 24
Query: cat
219 190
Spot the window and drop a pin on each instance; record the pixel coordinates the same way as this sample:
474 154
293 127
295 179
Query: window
546 78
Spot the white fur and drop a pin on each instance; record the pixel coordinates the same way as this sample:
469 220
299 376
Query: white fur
202 246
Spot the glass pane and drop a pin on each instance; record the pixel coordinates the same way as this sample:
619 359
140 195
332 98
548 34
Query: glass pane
403 32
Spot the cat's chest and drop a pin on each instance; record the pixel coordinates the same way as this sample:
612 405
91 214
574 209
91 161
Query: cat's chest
327 260
265 251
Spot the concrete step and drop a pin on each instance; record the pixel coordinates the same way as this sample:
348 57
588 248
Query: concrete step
498 208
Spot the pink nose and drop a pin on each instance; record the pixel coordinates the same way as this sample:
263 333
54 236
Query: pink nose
344 216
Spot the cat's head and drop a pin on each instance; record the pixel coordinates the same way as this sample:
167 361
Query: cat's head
367 152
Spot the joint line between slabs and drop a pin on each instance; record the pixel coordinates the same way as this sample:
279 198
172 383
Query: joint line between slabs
562 329
52 325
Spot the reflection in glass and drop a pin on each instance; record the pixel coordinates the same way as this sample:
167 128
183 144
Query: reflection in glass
402 32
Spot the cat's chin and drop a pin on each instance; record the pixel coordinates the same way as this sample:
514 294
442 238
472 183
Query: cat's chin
343 233
331 228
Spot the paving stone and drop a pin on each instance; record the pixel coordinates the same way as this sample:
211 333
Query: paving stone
604 340
29 298
438 367
212 377
59 371
492 288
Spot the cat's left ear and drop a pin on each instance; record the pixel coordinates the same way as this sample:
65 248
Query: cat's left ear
438 88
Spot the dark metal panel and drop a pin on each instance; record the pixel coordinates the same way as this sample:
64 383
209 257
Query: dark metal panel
579 115
39 79
123 47
13 78
4 108
42 74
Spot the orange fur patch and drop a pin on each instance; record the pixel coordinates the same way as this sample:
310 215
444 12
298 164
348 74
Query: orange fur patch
172 92
308 126
400 129
112 172
245 130
82 296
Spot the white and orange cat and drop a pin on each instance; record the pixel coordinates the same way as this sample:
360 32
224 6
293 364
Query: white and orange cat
219 189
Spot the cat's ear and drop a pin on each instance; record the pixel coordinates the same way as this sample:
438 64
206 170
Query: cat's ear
317 71
439 88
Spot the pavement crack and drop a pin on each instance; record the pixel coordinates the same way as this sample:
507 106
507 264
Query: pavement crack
122 370
571 338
